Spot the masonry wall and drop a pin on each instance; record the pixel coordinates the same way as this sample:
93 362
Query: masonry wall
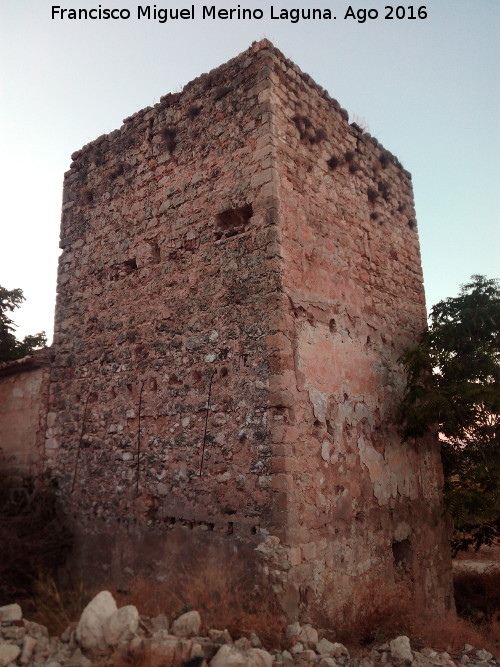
240 273
23 411
362 507
166 284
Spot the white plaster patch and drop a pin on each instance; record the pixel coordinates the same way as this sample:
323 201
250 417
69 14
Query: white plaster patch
325 450
378 470
319 402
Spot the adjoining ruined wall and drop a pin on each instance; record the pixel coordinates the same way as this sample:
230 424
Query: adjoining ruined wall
361 506
240 273
23 411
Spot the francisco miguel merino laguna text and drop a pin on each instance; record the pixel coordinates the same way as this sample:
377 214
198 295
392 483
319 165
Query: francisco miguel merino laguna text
162 15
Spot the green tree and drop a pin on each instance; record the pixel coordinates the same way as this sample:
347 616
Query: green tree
10 347
453 391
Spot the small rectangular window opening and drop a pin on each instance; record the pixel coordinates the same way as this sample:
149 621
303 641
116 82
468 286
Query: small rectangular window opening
233 221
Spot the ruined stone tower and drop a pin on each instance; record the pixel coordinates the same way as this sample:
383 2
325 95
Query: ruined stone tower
240 273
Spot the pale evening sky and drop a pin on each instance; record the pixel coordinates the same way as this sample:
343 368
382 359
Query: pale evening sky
426 88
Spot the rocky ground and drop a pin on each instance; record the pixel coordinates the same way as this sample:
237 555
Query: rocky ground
108 636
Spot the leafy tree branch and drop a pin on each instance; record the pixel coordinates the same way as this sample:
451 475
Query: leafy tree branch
10 347
453 391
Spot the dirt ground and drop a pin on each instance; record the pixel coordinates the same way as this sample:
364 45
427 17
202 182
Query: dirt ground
487 559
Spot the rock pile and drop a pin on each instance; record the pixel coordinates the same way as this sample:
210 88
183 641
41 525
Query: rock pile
108 636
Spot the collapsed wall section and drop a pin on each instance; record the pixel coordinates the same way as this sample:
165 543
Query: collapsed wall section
362 507
166 294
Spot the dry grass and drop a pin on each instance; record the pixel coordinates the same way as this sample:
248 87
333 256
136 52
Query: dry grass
383 613
452 633
224 593
56 606
391 611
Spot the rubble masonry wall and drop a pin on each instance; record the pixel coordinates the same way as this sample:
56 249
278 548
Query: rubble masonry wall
240 273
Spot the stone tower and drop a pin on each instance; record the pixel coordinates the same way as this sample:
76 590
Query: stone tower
240 273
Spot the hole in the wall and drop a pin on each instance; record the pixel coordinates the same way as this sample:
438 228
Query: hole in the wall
130 265
223 372
230 528
152 384
318 136
129 389
384 190
302 123
193 111
169 137
253 530
173 379
402 555
234 220
349 156
221 92
333 162
97 157
384 160
87 195
332 326
411 223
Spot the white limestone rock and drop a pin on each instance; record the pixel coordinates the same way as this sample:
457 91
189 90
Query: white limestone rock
10 612
293 630
28 648
187 625
90 628
401 649
230 656
121 625
325 647
308 635
326 661
8 653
